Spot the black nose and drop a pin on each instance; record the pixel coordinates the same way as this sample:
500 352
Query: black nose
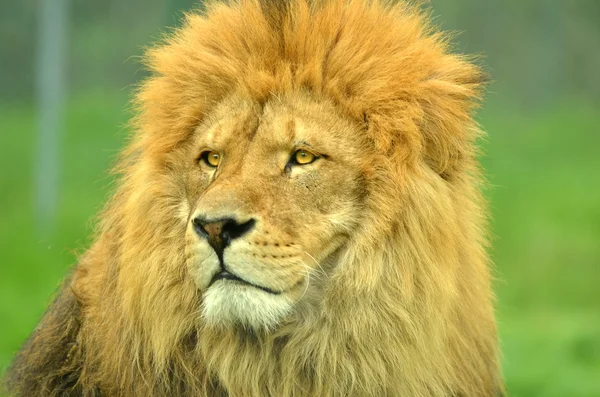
220 232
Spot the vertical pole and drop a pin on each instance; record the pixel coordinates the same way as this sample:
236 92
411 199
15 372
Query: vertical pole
551 55
50 91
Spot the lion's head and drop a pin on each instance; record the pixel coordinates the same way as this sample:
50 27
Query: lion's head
298 214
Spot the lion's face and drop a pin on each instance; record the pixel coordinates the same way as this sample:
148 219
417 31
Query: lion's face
274 192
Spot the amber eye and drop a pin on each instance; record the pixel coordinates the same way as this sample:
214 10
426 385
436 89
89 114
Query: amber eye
212 159
303 157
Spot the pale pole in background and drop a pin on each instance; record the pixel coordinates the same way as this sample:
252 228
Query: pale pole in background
50 91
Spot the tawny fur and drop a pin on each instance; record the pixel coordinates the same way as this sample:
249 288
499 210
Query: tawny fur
406 309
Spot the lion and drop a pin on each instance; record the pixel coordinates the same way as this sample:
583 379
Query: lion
298 213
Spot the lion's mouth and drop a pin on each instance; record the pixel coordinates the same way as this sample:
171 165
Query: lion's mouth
225 275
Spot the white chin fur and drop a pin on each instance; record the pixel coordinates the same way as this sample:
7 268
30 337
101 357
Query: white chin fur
229 303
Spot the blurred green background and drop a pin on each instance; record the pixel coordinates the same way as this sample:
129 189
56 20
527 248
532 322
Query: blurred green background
79 60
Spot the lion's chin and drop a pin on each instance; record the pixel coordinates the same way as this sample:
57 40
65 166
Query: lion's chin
228 304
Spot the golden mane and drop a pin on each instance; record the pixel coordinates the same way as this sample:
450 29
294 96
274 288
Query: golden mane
407 312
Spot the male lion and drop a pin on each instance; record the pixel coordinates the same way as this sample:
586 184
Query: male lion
298 215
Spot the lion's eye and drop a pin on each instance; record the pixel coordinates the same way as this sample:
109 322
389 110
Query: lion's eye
212 159
303 157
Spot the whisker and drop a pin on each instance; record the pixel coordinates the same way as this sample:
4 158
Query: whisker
308 274
316 262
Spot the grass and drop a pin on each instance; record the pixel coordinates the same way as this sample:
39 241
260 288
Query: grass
544 196
545 200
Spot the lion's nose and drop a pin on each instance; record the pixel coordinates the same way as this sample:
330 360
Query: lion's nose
220 232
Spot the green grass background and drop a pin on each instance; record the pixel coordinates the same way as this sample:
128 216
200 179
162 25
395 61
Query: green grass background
544 195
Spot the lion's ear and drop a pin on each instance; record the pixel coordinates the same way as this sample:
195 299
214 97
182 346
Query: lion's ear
448 100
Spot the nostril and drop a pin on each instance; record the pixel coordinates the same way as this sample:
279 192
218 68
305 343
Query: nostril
198 224
233 230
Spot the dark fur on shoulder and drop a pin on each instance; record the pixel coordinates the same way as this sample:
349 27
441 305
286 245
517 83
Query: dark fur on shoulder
50 361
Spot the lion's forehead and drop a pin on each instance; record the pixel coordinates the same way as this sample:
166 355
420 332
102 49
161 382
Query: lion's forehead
231 124
242 127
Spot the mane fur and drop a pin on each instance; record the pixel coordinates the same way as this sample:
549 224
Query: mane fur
408 309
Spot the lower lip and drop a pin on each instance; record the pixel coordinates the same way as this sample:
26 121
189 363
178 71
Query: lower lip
227 276
231 277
